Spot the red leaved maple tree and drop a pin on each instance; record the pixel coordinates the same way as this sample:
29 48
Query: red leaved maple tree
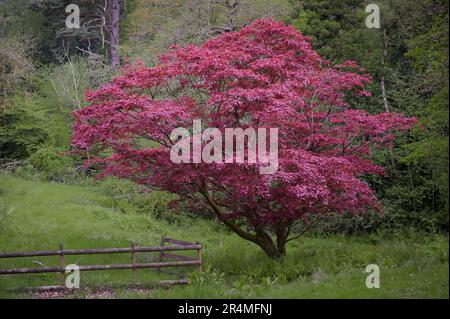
265 75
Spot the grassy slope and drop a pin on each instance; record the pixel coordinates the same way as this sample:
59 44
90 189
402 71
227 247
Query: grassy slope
37 215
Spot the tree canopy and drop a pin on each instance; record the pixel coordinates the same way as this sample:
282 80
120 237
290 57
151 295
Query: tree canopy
265 75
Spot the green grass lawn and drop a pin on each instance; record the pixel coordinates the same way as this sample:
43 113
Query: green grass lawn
36 215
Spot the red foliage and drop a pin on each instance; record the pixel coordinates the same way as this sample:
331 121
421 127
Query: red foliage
266 75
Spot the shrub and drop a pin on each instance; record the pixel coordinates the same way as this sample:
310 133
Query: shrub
15 67
391 222
70 80
126 196
53 164
22 129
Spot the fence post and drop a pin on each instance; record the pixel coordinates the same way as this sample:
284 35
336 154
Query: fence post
133 261
61 263
199 257
161 253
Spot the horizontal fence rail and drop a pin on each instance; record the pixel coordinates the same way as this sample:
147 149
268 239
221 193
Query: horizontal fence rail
99 251
101 267
175 260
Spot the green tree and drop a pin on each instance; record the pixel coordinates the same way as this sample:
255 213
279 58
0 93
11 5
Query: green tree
408 59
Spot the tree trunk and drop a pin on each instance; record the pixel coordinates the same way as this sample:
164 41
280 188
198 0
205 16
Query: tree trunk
384 94
272 249
260 237
383 71
115 33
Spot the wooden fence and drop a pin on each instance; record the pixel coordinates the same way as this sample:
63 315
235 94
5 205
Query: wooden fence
165 252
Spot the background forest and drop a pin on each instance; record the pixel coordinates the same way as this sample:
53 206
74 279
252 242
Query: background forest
46 68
